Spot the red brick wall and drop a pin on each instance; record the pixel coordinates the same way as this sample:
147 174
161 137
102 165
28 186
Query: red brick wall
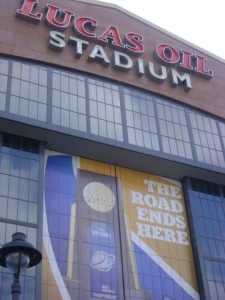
24 39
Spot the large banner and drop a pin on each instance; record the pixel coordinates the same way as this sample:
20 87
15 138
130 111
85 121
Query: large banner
114 233
158 238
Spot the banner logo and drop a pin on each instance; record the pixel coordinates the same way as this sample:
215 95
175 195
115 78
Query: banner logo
99 197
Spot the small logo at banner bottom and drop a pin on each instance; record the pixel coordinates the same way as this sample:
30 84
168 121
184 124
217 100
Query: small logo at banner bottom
102 261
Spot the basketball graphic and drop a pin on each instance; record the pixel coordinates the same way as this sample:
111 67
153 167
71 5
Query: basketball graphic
102 261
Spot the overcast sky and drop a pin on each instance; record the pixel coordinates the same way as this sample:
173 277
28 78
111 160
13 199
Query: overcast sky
201 22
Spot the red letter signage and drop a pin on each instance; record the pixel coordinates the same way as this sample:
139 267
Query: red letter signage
166 54
51 15
87 29
80 24
26 11
200 67
186 62
111 35
134 42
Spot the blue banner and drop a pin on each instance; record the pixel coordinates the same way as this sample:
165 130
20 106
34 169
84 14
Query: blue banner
103 265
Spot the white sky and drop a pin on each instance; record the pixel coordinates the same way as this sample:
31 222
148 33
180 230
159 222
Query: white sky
201 22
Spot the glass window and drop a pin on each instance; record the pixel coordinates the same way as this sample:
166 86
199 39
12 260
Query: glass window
74 120
4 179
4 66
111 130
5 163
206 201
200 123
34 74
116 98
166 145
56 116
160 111
206 139
32 213
65 118
150 107
102 128
33 110
137 121
76 97
92 91
199 153
73 103
94 125
127 101
64 83
181 149
145 123
82 123
81 106
33 191
33 92
140 116
108 96
147 140
155 142
42 94
135 104
15 87
68 105
139 138
119 132
109 113
2 101
100 94
212 290
209 270
3 205
106 110
42 112
3 83
163 127
73 86
81 88
25 72
173 129
220 290
23 107
101 110
131 136
29 83
16 71
205 246
19 161
55 80
65 101
24 189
